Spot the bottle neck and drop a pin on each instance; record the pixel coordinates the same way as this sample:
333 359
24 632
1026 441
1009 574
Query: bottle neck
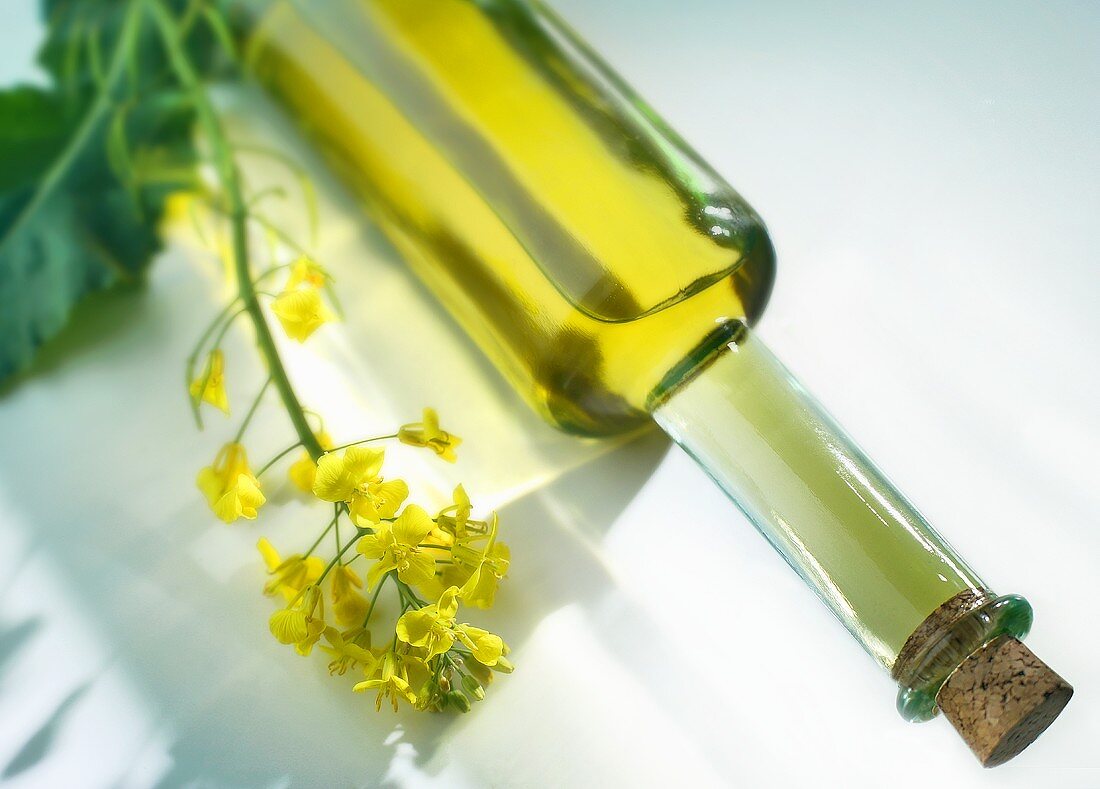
805 485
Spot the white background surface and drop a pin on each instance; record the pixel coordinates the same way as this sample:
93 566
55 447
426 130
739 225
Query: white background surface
931 177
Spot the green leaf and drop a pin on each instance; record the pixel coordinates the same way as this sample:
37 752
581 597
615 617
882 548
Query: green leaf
86 236
32 131
86 167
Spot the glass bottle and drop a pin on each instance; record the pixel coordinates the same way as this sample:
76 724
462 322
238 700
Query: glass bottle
613 277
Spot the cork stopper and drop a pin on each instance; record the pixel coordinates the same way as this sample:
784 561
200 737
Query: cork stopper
1001 699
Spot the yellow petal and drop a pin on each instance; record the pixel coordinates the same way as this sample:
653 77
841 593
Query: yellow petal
442 640
377 570
431 424
210 385
364 463
288 626
301 312
228 507
234 463
303 472
448 603
249 496
352 577
418 569
348 605
314 629
373 546
350 609
211 484
305 272
334 481
314 567
481 587
389 496
445 446
412 526
487 648
461 499
415 627
269 554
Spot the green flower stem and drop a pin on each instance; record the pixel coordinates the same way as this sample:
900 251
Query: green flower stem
237 210
278 457
229 177
374 600
251 412
332 564
317 542
364 441
206 335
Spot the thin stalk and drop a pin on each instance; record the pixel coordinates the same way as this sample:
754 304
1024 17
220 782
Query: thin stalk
339 550
251 412
229 177
373 601
278 457
331 564
328 528
364 441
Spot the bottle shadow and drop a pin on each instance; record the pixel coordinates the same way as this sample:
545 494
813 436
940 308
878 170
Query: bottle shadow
174 596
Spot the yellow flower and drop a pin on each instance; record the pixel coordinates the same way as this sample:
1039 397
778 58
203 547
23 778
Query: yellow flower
304 471
301 312
486 648
433 628
305 272
426 433
291 575
395 546
390 678
455 517
302 623
480 588
210 385
349 649
348 606
354 479
229 486
477 571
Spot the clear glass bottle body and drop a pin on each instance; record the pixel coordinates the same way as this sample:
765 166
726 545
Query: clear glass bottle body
612 276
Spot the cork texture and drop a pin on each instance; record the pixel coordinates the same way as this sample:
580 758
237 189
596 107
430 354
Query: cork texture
1001 698
936 622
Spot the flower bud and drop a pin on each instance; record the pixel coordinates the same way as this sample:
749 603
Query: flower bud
458 701
473 687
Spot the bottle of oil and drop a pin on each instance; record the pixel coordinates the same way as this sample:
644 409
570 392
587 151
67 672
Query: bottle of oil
613 276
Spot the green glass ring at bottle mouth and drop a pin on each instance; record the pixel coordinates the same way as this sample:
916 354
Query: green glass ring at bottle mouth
1008 615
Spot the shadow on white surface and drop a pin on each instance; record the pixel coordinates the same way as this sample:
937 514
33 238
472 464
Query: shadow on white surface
134 631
